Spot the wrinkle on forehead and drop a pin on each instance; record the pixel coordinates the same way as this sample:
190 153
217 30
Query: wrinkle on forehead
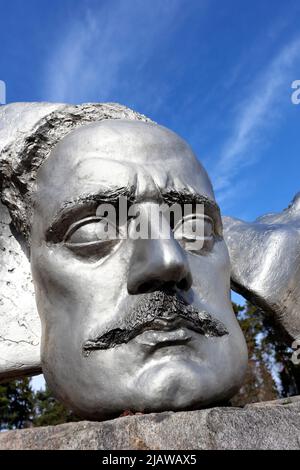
120 154
148 180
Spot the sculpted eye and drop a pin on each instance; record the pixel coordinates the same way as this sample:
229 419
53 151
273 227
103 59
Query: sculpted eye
92 237
91 229
195 233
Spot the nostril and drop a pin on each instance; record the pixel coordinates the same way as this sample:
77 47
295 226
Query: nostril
156 284
156 265
149 286
184 284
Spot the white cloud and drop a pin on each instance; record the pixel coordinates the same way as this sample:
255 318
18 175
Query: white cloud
100 53
103 56
259 111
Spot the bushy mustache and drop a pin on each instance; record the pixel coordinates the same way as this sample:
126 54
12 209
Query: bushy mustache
159 305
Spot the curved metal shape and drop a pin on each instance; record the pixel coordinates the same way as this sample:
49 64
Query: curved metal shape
265 259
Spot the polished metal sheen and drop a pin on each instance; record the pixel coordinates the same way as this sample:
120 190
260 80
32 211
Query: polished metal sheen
265 258
139 324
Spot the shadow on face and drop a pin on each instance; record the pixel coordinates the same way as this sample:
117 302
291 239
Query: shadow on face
132 322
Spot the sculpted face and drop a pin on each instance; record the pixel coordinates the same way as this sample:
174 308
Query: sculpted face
139 324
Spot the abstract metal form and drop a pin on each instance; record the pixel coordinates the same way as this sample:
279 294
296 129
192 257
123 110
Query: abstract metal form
265 259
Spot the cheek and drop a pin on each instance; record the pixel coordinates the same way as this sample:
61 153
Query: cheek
78 290
211 274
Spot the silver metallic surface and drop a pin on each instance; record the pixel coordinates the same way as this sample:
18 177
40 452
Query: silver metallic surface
141 324
20 328
80 296
265 258
163 313
29 130
28 133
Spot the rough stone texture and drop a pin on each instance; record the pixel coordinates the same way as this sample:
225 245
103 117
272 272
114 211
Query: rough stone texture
19 320
270 425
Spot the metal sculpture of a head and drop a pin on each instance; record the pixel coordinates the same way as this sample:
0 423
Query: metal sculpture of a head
133 317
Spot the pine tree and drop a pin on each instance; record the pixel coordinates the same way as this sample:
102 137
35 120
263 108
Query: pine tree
49 411
271 373
16 404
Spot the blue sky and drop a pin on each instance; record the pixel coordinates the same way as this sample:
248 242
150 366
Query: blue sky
218 73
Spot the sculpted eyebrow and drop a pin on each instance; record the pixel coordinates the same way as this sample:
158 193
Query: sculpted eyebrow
86 203
173 196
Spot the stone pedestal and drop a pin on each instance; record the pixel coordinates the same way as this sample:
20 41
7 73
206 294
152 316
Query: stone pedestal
268 425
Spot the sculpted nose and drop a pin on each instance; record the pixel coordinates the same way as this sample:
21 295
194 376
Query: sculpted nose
156 264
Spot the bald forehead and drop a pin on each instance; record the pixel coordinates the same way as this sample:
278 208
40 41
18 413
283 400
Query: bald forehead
107 135
117 151
131 141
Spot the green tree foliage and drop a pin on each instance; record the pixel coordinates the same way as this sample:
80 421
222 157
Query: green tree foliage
16 404
21 406
48 411
270 375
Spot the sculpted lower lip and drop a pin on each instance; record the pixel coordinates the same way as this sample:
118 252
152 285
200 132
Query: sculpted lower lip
154 337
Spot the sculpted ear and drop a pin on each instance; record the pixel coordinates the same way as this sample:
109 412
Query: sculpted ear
20 330
265 260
